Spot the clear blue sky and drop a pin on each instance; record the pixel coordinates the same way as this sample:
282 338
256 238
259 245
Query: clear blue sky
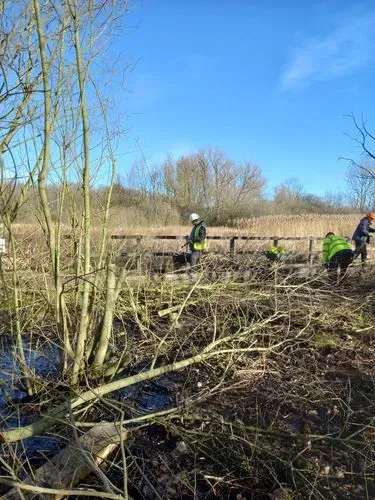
267 81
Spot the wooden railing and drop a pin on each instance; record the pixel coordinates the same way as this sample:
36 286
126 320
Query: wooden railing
231 240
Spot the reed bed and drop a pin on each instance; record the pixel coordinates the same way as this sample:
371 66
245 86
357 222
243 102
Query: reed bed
280 225
300 225
269 225
312 225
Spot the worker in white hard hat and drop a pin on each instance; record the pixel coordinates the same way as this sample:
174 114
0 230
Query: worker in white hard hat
197 238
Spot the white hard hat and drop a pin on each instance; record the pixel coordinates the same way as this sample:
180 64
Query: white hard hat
193 217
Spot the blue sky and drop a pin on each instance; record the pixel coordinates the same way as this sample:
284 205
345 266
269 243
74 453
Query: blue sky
265 81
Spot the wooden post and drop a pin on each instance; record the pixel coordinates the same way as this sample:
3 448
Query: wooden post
139 256
276 242
139 263
231 247
311 251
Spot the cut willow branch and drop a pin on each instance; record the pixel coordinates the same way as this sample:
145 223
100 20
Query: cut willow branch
57 415
55 491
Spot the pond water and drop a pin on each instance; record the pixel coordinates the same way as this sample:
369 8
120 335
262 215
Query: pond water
44 359
150 396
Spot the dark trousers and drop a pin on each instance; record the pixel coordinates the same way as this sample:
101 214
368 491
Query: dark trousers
195 257
361 249
340 263
183 259
180 260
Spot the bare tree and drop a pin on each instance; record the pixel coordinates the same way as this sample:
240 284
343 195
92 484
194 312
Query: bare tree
210 182
366 141
361 185
288 196
48 135
361 174
336 202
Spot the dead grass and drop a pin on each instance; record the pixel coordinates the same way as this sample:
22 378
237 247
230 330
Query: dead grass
315 225
301 225
281 225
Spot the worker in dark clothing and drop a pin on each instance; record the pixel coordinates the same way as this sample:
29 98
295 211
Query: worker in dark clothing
197 239
337 255
361 236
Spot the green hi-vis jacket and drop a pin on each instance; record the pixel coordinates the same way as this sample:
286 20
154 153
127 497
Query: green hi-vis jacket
332 245
276 250
198 240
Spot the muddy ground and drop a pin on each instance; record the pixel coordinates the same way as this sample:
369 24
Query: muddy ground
293 422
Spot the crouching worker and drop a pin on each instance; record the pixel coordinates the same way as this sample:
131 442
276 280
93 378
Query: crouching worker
197 239
275 253
337 255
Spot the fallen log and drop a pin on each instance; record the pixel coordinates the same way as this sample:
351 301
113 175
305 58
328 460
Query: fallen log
67 469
